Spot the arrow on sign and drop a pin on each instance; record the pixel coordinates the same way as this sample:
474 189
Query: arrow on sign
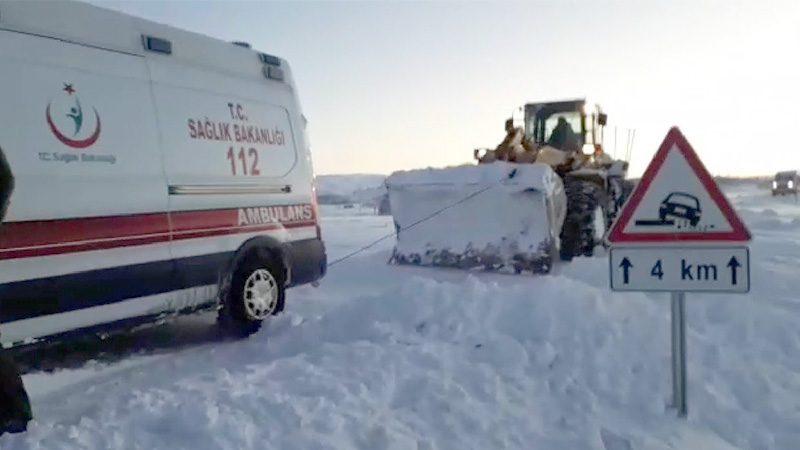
733 264
626 265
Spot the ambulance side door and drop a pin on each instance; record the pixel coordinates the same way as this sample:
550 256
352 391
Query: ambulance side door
88 223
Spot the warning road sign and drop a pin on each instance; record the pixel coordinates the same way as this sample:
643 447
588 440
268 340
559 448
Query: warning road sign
677 200
677 233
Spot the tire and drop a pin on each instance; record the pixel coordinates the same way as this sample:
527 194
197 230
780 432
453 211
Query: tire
627 189
585 200
258 273
619 193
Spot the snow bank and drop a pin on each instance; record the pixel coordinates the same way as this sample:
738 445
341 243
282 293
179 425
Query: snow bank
489 214
424 364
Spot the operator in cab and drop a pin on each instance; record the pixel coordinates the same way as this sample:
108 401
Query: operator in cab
564 137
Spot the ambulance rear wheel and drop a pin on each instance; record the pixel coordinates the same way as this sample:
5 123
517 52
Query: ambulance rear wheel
255 293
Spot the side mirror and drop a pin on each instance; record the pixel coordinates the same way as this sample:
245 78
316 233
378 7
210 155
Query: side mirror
602 118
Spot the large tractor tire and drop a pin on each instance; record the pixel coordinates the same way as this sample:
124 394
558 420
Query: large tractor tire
585 222
627 189
619 192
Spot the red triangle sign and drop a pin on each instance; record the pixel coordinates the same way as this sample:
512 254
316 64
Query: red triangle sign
677 200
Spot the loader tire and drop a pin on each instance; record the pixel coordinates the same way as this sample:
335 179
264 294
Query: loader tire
627 189
586 209
619 195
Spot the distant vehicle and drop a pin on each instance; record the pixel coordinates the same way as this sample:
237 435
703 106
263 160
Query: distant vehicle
680 205
195 194
785 183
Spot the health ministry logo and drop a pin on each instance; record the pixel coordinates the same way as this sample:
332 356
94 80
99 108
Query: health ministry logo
77 136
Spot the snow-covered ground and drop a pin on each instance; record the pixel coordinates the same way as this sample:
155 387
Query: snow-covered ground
384 357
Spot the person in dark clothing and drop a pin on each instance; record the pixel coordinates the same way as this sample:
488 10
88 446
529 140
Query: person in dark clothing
563 137
15 407
6 185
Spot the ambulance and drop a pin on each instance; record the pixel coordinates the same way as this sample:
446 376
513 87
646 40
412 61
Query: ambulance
158 172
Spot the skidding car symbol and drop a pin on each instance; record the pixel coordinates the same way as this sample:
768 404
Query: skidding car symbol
682 206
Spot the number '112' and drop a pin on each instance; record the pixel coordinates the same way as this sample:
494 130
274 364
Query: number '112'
251 156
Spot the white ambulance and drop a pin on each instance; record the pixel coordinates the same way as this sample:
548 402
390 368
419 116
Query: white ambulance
157 171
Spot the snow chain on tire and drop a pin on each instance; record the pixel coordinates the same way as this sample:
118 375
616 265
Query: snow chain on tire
578 233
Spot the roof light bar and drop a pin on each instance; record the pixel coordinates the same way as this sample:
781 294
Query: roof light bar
269 59
157 45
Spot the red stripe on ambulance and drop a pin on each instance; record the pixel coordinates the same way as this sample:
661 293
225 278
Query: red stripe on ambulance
53 237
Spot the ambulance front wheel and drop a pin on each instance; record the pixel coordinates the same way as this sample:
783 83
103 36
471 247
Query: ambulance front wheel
255 293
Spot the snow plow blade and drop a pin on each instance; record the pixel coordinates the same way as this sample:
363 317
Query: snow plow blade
499 217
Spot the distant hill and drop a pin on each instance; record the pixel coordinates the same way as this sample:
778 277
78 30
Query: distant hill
348 183
367 189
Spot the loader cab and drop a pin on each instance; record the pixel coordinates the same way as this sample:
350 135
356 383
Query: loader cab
572 125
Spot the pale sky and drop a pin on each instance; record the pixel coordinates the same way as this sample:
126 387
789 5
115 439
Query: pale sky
392 85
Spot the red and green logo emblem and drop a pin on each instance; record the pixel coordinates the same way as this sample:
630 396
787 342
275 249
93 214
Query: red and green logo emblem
72 132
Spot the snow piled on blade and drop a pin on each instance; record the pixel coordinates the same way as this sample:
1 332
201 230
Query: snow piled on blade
501 215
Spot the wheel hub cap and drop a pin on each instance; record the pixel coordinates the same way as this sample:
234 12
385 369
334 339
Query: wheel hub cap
260 294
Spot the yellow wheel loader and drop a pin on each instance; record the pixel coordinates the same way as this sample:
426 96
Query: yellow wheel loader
549 191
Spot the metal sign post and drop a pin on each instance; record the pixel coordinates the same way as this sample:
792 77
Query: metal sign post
677 233
679 352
